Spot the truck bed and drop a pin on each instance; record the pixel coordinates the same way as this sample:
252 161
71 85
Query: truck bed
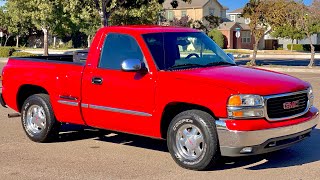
77 57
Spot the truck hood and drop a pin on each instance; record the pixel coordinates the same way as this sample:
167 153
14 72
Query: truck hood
244 80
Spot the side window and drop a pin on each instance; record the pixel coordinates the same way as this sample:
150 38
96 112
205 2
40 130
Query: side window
116 49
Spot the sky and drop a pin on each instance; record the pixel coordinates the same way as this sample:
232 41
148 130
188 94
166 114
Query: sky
235 4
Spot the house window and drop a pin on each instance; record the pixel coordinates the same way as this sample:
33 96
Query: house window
183 13
211 11
233 18
245 37
247 21
170 15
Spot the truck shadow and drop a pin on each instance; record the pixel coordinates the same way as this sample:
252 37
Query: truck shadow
304 152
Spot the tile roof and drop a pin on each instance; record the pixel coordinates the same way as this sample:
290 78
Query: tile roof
237 11
183 5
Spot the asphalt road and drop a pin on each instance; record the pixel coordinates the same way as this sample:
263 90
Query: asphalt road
86 154
280 62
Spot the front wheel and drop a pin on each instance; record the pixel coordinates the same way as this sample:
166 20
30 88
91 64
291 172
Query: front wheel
38 120
193 141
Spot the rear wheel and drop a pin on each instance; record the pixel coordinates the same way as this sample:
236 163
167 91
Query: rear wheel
192 140
38 120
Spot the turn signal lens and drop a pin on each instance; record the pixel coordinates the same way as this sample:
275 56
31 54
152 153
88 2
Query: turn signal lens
235 101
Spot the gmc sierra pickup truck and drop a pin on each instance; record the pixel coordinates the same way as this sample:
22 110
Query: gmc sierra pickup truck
167 83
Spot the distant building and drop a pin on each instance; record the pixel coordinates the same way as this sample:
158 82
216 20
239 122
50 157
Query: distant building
196 10
268 42
229 29
246 40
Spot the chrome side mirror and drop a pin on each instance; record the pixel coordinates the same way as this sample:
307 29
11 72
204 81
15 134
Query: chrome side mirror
231 56
130 65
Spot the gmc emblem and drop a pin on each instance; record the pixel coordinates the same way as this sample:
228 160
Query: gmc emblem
291 105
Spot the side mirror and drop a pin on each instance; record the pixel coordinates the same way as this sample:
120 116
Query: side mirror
131 65
231 56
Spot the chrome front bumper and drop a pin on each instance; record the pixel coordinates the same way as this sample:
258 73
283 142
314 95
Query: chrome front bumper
232 142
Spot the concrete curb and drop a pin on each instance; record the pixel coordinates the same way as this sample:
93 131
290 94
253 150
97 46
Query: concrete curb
293 69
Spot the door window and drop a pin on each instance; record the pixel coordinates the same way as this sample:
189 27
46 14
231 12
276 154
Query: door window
116 49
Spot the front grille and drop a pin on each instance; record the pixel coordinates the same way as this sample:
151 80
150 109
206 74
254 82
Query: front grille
287 106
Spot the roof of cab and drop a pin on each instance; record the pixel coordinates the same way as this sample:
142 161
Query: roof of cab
146 29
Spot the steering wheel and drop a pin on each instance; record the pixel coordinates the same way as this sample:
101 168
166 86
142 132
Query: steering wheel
192 54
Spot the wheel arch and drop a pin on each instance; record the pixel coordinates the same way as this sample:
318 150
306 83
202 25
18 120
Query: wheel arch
26 91
174 108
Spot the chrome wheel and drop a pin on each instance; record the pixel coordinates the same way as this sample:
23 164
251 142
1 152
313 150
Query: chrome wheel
36 119
189 141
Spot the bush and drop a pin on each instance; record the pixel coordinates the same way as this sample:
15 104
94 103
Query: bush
22 54
296 47
217 37
6 51
303 47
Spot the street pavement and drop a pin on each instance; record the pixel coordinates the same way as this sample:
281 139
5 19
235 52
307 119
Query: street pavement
83 153
279 62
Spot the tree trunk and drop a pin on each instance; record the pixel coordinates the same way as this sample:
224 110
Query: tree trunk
45 41
54 42
255 50
103 19
7 37
89 41
17 39
254 55
292 44
311 64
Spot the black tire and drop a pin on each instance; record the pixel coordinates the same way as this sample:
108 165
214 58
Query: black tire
204 123
50 128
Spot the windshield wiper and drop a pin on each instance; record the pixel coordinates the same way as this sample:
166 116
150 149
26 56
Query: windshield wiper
221 63
185 65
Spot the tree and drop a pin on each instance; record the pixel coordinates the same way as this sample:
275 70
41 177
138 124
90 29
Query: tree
144 14
107 7
19 22
4 24
48 16
214 21
84 17
265 15
309 23
217 36
288 31
184 21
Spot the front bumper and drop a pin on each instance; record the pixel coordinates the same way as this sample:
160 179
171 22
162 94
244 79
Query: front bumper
233 142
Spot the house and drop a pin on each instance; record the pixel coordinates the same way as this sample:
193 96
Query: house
196 10
229 30
269 42
246 41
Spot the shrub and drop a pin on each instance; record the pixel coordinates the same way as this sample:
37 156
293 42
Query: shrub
6 51
303 47
22 54
296 47
217 36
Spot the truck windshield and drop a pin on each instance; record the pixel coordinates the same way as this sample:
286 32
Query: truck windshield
182 50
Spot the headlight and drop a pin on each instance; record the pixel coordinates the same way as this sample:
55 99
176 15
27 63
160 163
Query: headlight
310 96
245 106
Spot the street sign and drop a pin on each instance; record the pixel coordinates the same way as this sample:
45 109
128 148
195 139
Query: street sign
238 34
238 29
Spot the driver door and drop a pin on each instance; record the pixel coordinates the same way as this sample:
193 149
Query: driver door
114 99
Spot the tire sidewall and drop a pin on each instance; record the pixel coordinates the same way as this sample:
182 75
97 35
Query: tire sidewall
36 100
209 146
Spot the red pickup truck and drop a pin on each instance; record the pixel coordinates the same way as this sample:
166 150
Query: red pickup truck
167 83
